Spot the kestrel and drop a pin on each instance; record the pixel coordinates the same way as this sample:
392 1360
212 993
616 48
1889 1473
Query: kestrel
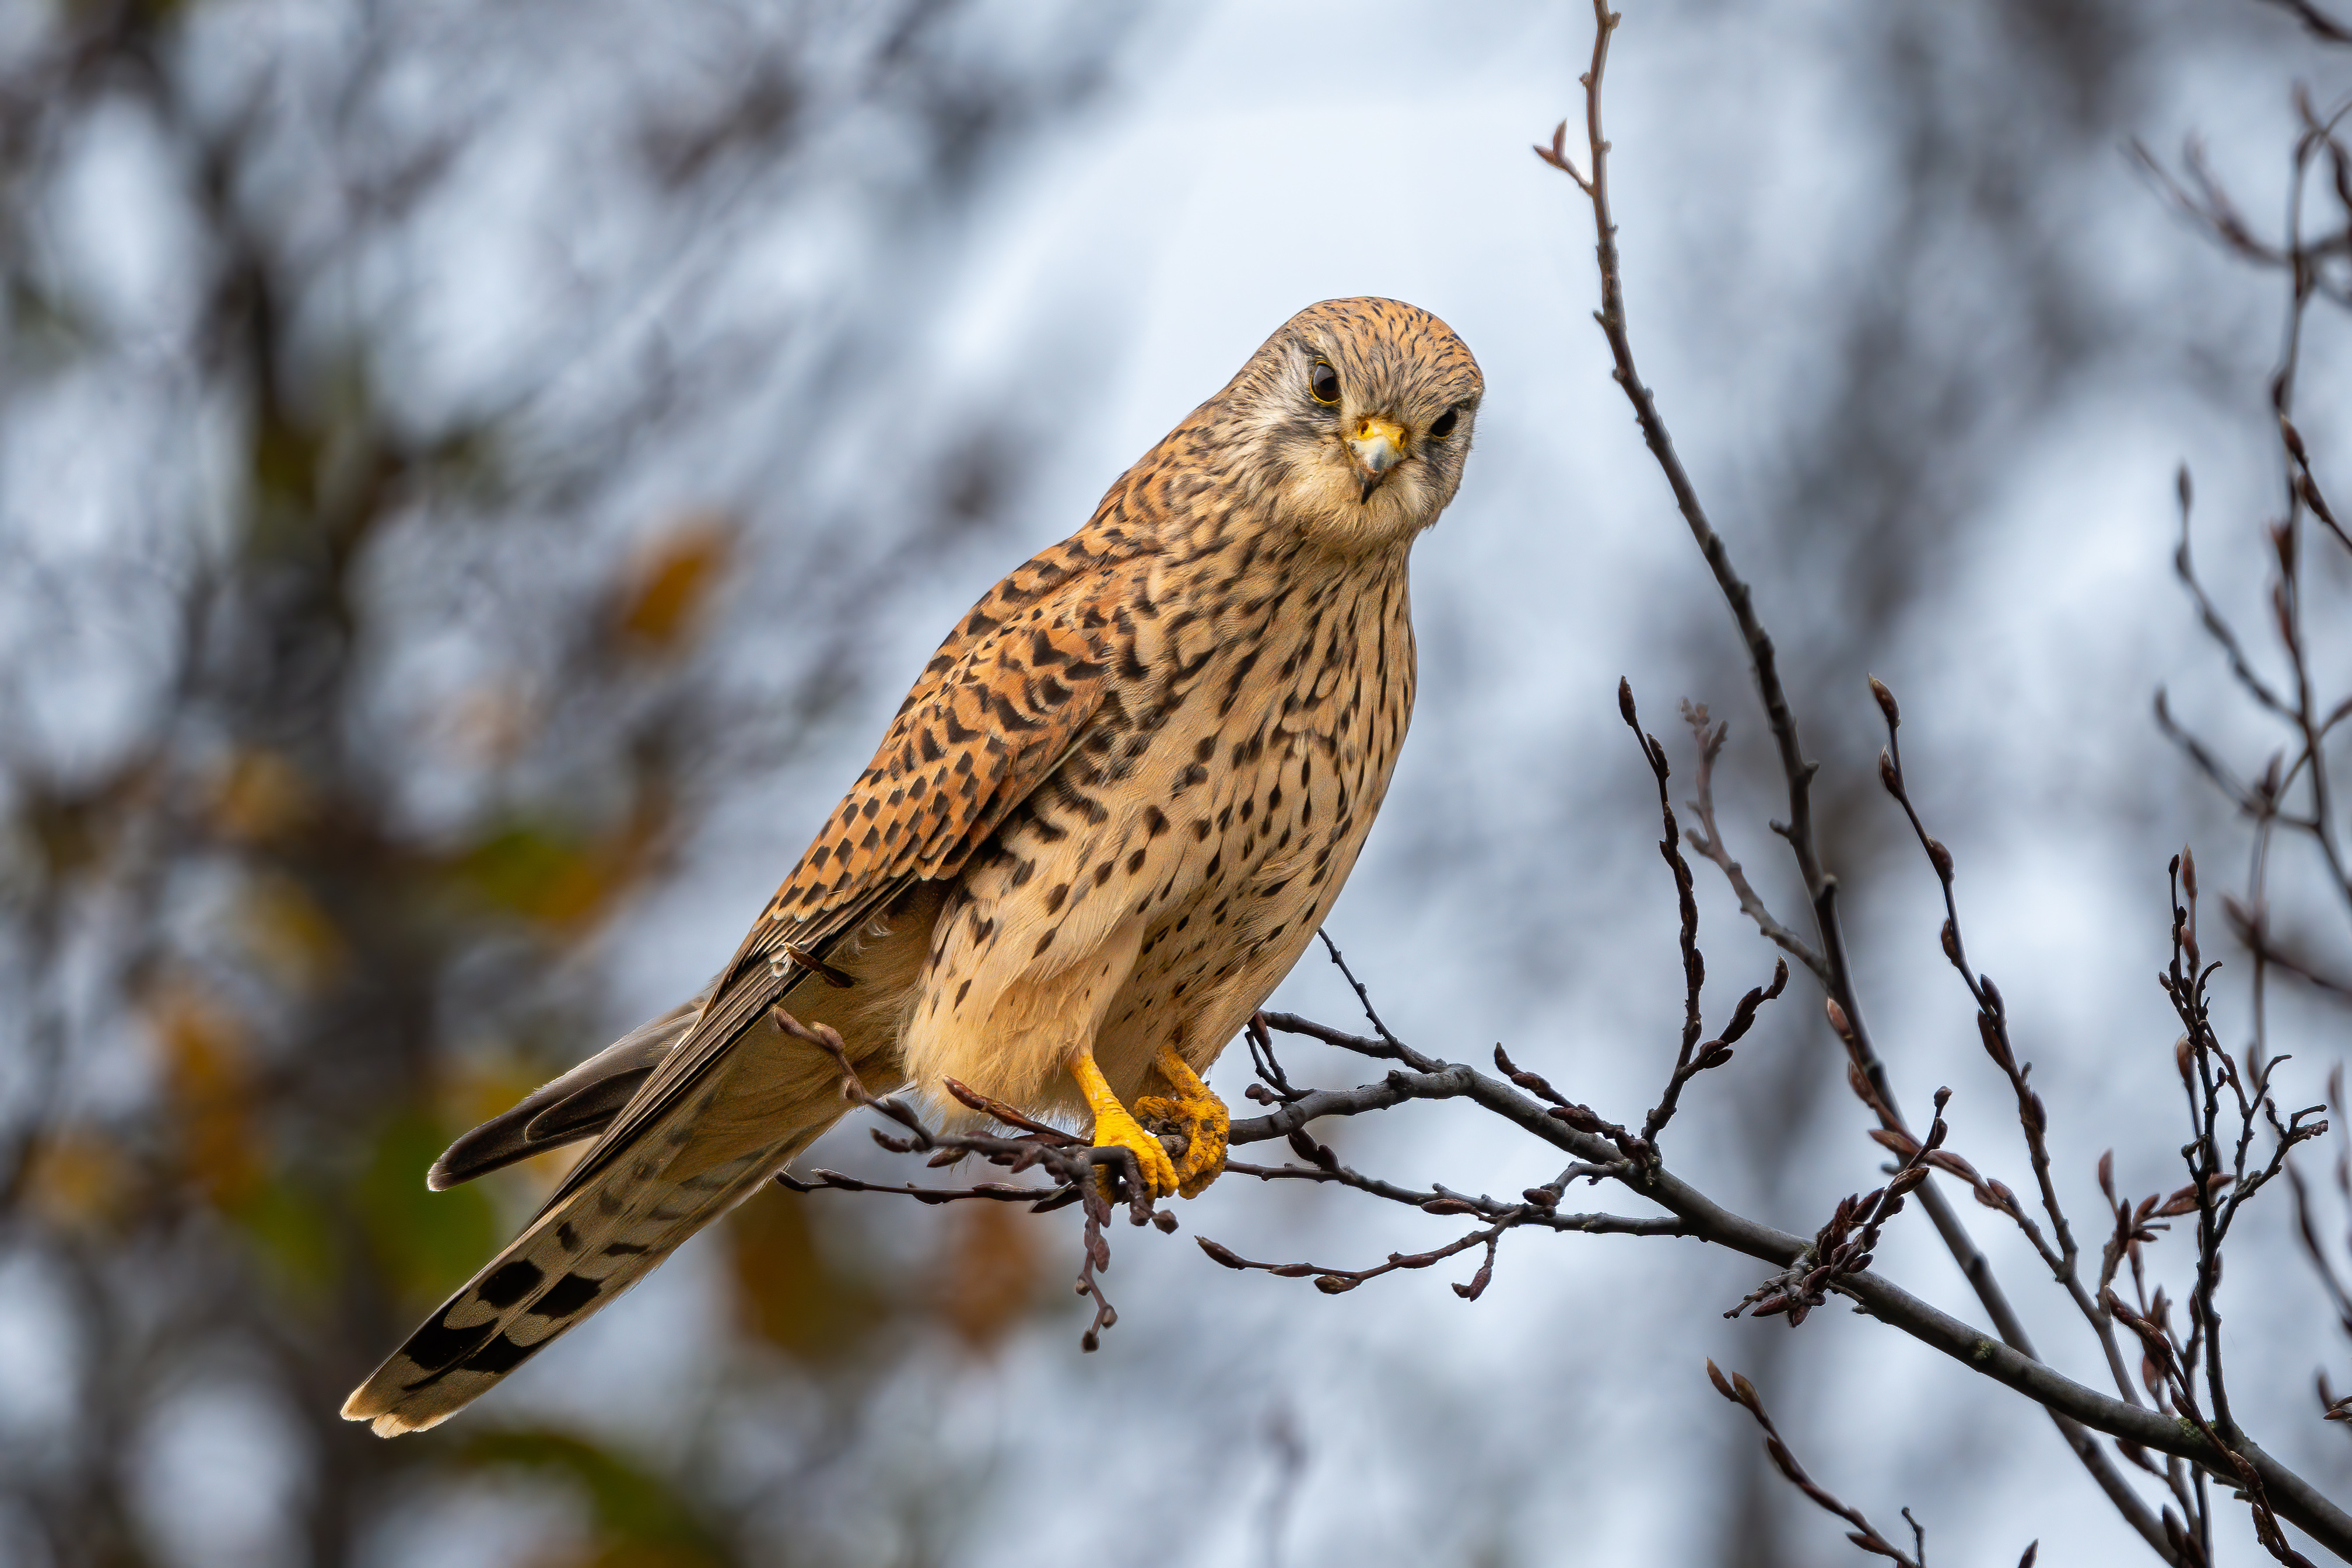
1104 824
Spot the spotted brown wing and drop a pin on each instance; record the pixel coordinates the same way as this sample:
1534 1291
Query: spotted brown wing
997 711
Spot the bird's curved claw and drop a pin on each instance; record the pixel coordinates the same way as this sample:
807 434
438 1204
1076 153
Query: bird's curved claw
1196 1113
1117 1128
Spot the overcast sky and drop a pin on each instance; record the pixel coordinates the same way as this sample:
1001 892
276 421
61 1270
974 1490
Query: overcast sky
1244 161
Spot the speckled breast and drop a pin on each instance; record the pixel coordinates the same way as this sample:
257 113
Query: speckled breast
1249 763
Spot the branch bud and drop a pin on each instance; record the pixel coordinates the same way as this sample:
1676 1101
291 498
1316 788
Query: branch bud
2313 499
2294 439
1941 858
1944 1160
1579 1117
1887 704
1989 1031
1743 1016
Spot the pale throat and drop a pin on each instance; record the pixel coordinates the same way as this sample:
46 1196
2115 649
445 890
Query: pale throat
1326 505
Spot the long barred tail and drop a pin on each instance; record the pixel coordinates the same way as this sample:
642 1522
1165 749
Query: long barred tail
572 1260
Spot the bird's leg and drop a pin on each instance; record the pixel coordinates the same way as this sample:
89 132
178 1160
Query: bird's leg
1200 1113
1115 1127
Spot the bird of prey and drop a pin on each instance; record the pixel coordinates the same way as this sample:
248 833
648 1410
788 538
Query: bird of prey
1106 822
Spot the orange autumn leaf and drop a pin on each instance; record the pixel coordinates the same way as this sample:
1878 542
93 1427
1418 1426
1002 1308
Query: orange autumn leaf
205 1067
670 580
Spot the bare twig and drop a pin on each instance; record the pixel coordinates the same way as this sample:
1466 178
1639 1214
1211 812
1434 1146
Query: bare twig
1703 1219
1272 1086
1993 1025
1707 839
1333 1282
1691 1058
1687 905
2317 22
2207 1069
1740 1392
1846 1246
1072 1164
1797 770
1402 1051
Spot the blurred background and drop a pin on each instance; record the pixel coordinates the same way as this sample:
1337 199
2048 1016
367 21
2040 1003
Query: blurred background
475 478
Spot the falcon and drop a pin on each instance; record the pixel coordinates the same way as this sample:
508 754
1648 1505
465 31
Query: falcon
1104 824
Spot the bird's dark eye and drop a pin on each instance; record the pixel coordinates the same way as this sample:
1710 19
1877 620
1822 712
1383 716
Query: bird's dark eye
1442 425
1324 383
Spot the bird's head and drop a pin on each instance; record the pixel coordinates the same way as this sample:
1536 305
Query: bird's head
1359 416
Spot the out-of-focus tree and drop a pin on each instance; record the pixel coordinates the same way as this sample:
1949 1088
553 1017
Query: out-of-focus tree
1960 308
367 642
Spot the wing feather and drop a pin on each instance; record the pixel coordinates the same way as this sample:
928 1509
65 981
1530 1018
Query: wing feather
573 1106
998 710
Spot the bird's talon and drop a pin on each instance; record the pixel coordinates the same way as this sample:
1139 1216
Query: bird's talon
1200 1115
1115 1129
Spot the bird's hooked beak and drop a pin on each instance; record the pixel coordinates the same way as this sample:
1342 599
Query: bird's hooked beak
1379 446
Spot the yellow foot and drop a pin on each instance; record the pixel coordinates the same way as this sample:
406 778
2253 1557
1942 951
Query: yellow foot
1116 1129
1200 1114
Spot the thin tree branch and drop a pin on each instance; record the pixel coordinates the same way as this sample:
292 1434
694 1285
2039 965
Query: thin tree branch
1820 886
2295 1499
1992 1024
1707 838
1865 1535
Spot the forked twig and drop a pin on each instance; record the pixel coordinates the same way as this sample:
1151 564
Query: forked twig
1798 772
1865 1534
